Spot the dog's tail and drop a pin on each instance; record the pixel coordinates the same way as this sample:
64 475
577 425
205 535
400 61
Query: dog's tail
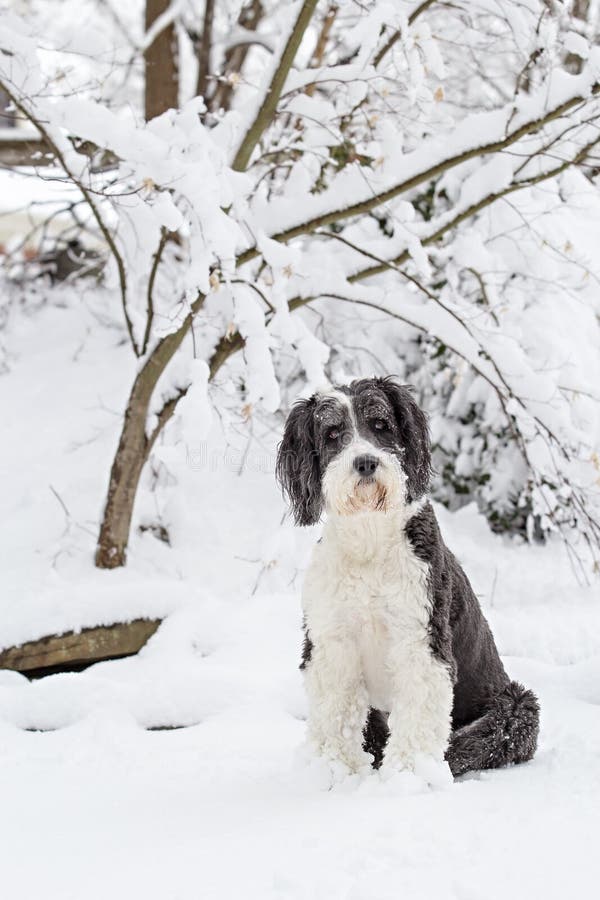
506 733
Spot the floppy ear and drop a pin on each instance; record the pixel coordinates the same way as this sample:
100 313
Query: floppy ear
414 431
297 466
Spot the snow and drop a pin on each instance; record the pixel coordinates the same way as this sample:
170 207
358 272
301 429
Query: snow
182 772
229 804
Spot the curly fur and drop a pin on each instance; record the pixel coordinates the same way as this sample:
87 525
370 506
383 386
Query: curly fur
398 658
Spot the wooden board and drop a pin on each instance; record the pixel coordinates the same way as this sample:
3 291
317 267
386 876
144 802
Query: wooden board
79 648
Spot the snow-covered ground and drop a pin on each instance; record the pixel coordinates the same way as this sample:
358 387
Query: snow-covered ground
100 797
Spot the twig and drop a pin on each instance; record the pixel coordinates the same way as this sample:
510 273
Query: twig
150 292
319 51
397 34
87 195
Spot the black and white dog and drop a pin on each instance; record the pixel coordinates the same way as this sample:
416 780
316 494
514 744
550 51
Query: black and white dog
400 664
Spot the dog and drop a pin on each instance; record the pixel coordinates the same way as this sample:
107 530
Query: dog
399 663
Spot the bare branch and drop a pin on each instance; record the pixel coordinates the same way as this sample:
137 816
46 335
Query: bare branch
268 107
164 414
395 37
91 202
150 292
319 51
480 281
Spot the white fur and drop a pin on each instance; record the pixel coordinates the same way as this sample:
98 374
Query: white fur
341 482
366 608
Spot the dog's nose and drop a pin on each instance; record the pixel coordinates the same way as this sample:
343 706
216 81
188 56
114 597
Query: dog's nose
365 465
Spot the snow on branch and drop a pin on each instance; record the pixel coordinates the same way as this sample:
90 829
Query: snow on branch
502 129
372 172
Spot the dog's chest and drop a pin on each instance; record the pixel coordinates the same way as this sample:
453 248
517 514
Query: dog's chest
379 605
374 650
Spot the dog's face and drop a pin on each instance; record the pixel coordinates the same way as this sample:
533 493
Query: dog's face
357 448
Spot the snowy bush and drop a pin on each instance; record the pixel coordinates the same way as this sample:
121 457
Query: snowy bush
416 183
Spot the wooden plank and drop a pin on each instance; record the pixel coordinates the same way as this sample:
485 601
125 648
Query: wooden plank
76 648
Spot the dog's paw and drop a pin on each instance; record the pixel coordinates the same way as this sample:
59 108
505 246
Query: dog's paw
399 782
435 772
325 771
432 771
398 759
335 774
348 754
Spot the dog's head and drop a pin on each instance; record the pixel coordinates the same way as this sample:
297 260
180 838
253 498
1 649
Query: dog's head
357 448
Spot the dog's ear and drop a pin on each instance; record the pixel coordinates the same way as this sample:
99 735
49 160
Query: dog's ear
297 466
414 432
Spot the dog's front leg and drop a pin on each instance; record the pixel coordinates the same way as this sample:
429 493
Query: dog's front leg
337 699
421 707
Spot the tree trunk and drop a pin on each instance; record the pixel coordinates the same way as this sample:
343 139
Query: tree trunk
131 455
134 448
580 10
161 61
135 444
203 50
249 18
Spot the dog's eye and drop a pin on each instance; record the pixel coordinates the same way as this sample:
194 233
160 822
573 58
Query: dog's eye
379 425
333 434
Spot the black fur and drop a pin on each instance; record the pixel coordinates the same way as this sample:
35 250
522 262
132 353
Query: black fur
507 732
376 733
458 632
307 648
297 468
495 721
414 434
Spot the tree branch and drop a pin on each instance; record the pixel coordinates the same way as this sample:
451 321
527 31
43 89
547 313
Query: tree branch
432 172
150 292
89 199
475 208
267 110
229 345
164 414
235 56
397 34
319 51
